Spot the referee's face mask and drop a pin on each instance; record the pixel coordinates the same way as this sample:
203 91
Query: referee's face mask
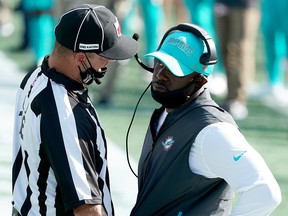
89 74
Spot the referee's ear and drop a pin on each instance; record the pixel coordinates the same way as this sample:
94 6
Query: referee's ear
79 58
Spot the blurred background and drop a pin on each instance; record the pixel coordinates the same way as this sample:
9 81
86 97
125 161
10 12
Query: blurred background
250 79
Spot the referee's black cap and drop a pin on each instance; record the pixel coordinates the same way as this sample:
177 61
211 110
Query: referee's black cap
94 28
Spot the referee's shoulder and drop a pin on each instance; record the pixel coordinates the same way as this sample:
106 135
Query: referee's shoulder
27 76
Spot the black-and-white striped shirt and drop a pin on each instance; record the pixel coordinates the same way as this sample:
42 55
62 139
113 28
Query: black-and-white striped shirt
59 148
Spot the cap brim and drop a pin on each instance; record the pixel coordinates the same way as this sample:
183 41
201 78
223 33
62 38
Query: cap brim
171 63
126 48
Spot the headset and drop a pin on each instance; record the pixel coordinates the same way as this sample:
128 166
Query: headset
208 58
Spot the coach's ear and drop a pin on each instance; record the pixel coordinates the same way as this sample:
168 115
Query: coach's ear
200 80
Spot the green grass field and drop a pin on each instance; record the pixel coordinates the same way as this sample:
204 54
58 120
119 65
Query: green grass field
265 128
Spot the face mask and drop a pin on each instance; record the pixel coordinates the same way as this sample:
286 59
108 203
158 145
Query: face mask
172 99
91 74
87 76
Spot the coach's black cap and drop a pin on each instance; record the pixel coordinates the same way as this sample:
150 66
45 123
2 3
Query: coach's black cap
94 28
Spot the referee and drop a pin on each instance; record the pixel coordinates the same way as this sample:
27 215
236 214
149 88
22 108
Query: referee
59 147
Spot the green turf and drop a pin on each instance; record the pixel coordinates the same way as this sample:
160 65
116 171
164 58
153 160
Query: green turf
265 129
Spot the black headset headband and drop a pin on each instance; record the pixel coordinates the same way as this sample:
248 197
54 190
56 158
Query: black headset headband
208 58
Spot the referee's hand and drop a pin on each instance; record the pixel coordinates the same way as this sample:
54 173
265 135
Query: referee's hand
90 210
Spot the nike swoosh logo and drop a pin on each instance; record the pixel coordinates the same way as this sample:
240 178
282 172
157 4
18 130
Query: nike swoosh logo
236 158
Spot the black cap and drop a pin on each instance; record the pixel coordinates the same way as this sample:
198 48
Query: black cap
94 28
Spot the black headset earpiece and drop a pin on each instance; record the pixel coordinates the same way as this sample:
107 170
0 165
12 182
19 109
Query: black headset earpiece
208 58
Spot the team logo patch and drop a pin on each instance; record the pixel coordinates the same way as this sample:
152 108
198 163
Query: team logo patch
168 143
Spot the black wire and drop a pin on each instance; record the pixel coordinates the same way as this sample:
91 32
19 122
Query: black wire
127 134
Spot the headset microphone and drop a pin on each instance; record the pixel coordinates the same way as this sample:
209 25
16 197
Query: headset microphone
136 37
